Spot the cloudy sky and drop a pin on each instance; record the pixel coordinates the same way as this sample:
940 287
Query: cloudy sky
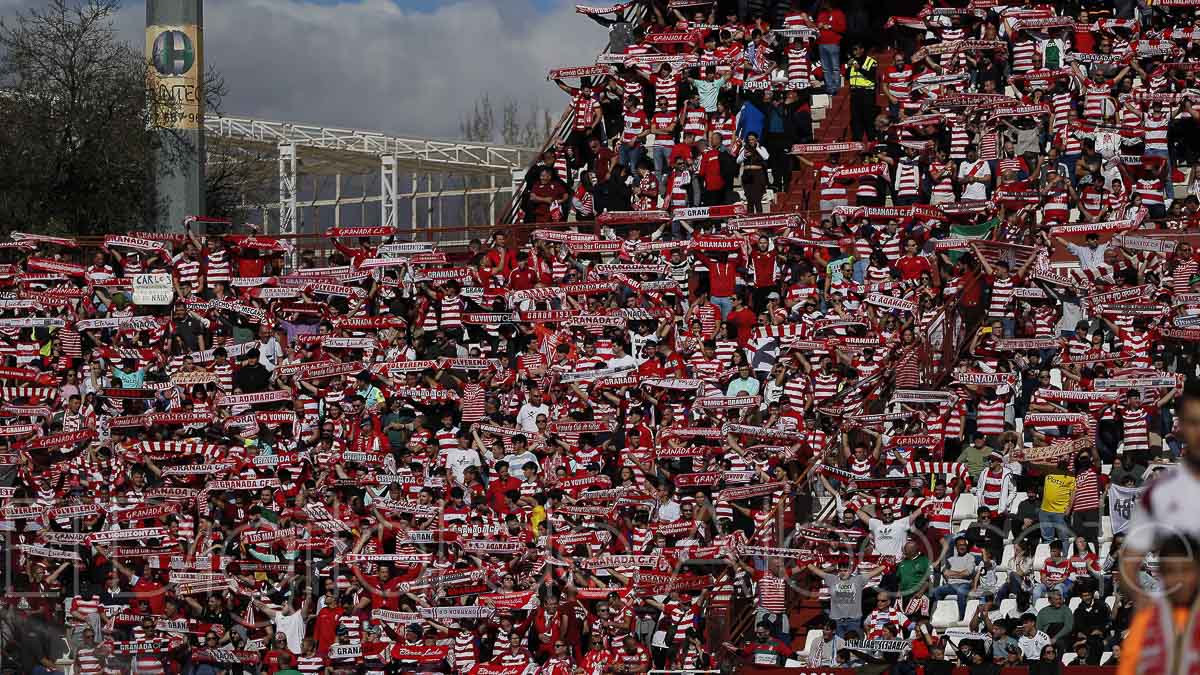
401 66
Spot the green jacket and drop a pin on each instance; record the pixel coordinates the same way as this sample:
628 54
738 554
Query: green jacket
913 572
1056 615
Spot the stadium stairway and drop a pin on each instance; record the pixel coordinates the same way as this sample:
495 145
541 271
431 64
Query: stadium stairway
831 124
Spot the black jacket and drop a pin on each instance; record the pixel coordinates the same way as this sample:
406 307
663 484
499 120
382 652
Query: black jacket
1092 618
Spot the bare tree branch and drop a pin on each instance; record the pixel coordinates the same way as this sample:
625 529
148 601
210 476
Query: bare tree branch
76 145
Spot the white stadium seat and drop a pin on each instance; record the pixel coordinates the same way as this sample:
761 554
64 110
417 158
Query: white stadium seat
1041 555
945 614
1009 607
966 506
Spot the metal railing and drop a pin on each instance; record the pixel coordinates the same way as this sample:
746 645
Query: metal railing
562 130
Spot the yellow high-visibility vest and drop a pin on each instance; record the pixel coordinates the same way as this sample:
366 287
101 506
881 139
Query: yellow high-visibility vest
858 76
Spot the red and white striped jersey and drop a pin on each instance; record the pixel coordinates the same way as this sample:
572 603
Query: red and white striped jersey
188 271
726 126
447 439
219 268
989 416
991 487
664 120
224 373
631 87
960 138
1057 208
472 400
831 190
1182 274
890 245
1096 99
939 513
1151 191
1068 142
452 312
943 187
772 593
1045 319
353 625
668 88
1136 347
584 104
908 178
680 186
1003 291
825 386
796 389
89 661
695 121
1087 491
799 67
1060 107
1135 427
1092 199
1130 121
732 53
635 124
899 82
1156 126
1054 571
465 653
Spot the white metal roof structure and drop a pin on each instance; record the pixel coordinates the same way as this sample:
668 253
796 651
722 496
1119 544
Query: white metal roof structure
478 170
429 154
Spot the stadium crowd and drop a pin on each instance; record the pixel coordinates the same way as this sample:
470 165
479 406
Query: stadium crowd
932 412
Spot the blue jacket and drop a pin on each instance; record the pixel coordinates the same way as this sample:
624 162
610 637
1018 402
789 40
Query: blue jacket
750 121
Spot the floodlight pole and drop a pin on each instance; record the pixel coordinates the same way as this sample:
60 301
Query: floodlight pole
175 52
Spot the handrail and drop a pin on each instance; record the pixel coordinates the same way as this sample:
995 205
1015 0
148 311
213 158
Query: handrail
562 130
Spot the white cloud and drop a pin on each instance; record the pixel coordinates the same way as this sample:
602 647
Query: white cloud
372 65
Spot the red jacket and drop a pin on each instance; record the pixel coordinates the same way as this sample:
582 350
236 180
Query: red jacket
522 279
496 490
722 276
833 25
710 170
325 627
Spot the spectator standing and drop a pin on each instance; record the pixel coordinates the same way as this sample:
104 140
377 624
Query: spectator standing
831 22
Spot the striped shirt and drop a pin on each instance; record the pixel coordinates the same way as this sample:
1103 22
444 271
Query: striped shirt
664 120
772 594
1087 491
668 88
452 312
1156 125
219 269
990 416
188 271
1003 291
1136 427
799 68
635 124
